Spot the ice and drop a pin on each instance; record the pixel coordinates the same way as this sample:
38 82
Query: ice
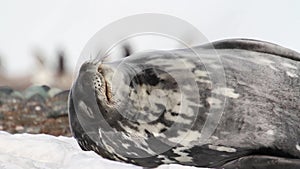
41 151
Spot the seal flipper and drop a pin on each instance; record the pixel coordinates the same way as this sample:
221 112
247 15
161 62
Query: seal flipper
262 162
256 46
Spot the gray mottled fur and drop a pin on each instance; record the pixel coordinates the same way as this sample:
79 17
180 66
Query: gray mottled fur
127 110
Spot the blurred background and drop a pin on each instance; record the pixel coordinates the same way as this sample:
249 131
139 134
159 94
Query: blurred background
35 36
40 42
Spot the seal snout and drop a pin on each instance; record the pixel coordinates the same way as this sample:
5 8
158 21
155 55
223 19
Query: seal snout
94 77
103 77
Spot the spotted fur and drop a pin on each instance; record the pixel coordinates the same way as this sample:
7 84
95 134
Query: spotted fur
146 110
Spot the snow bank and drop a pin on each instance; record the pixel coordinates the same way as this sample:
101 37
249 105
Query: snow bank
28 151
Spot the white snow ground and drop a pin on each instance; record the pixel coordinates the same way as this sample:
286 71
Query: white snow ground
28 151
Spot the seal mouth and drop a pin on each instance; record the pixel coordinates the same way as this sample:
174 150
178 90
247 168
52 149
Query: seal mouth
106 86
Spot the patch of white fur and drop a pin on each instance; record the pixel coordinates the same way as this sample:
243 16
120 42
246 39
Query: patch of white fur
222 148
165 160
216 103
137 138
125 145
186 138
189 65
184 157
228 92
214 138
122 157
270 132
110 150
85 109
291 74
272 67
169 99
190 112
132 154
186 108
180 119
298 147
201 73
262 61
288 65
153 128
203 81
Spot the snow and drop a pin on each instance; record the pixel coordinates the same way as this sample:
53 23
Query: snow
41 151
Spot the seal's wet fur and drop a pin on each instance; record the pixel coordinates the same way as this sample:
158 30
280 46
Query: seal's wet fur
259 127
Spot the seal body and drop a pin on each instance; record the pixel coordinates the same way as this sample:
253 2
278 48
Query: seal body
160 107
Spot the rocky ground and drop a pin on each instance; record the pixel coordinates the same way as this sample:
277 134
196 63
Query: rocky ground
38 109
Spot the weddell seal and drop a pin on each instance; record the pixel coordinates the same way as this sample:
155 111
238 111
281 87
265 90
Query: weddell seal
146 110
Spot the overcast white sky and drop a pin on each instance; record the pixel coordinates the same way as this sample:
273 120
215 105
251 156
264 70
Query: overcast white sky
69 24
